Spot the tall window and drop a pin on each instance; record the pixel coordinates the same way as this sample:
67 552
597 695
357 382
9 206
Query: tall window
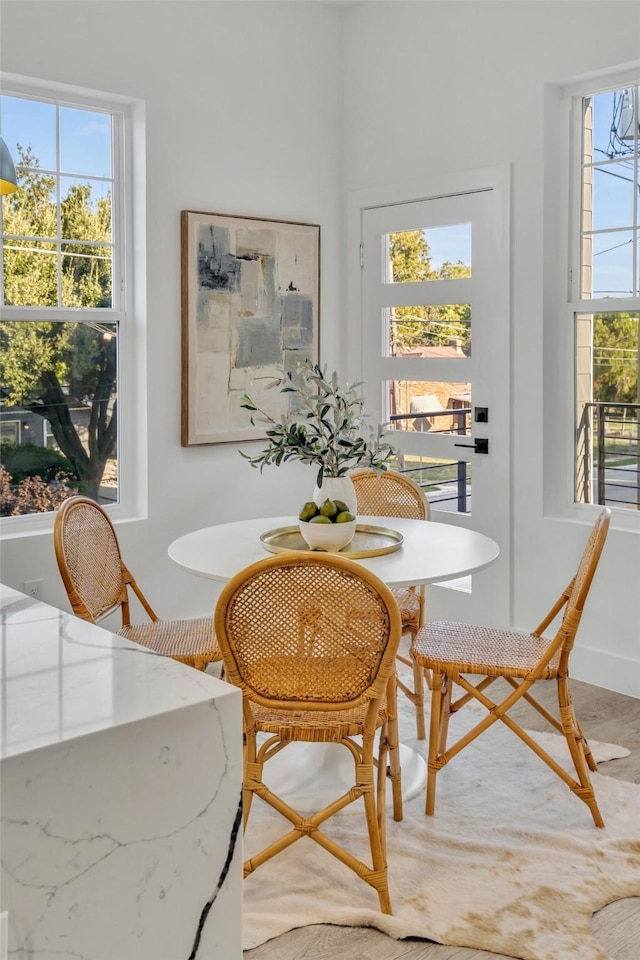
63 301
605 297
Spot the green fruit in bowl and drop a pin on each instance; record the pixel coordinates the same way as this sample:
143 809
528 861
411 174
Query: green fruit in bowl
328 509
345 517
341 506
309 510
320 519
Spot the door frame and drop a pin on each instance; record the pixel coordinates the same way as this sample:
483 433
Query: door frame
498 180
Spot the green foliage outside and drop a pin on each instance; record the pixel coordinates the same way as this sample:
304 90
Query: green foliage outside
426 326
615 358
48 367
30 460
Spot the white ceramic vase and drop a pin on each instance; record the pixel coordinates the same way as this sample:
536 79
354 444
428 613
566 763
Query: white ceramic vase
337 488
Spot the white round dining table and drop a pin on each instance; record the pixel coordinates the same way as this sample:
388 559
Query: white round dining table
430 552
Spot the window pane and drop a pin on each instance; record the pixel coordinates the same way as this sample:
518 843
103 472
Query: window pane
607 409
32 124
610 118
30 273
86 275
437 407
84 214
60 382
609 195
429 331
31 211
9 431
446 483
434 253
85 209
612 264
85 142
613 195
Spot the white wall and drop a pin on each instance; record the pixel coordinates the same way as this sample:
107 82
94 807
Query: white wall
432 88
244 99
427 88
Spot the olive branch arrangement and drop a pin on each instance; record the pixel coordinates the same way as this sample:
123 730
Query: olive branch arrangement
329 431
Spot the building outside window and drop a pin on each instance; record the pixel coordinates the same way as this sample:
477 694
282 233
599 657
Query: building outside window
605 296
64 298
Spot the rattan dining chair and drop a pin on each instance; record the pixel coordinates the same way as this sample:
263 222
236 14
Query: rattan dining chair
391 494
97 581
456 651
311 640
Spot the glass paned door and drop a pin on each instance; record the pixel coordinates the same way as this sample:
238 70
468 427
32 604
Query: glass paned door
435 352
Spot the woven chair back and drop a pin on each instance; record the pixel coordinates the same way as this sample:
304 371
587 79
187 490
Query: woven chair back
579 588
389 494
89 558
589 562
313 629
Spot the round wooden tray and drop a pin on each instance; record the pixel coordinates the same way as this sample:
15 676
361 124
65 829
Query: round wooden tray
368 541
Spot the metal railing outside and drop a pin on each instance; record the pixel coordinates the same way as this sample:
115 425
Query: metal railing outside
608 455
446 483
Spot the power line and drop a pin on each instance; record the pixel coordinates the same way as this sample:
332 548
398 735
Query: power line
625 243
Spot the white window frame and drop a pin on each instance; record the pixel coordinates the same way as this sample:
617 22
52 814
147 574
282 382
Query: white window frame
129 293
562 238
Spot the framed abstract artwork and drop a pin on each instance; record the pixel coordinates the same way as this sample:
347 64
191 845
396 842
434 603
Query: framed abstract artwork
250 307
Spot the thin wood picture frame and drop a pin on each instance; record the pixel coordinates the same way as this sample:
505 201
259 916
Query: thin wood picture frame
250 307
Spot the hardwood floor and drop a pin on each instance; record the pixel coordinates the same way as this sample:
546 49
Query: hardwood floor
604 715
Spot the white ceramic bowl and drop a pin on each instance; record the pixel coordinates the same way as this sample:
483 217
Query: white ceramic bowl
331 537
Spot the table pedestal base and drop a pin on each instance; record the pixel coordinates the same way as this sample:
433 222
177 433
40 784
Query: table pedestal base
312 775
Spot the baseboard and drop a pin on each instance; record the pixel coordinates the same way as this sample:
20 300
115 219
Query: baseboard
604 669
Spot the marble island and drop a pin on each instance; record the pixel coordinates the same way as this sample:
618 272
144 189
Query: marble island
121 775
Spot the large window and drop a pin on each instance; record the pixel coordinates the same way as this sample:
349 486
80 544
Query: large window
65 303
605 296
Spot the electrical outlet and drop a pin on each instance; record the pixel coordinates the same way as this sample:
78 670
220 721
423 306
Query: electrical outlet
33 588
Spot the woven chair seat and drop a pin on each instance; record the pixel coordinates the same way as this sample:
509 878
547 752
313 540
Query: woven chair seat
409 604
176 638
315 726
481 650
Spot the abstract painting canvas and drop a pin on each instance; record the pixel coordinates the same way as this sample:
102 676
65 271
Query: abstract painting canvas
250 302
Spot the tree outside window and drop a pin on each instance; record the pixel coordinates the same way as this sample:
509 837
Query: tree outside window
60 315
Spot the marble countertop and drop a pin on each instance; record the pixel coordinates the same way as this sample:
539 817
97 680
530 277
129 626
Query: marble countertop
63 678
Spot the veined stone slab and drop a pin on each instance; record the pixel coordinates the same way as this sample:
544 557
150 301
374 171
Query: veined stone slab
121 777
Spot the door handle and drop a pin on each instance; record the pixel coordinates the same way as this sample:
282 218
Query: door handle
481 445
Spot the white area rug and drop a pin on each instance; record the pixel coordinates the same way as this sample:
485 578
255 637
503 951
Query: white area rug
510 863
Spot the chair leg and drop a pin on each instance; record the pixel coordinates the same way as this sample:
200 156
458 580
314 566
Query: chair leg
591 763
395 772
445 712
250 771
377 844
579 750
415 693
418 687
381 785
434 740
